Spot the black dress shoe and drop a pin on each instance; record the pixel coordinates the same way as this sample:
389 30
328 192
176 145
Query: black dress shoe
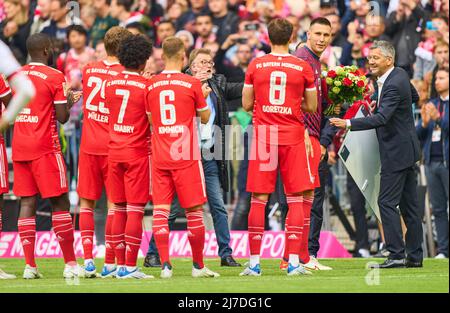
152 260
410 263
229 261
390 263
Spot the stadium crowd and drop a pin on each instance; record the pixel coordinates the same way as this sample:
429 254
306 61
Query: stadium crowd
235 32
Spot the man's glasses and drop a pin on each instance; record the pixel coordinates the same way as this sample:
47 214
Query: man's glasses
205 63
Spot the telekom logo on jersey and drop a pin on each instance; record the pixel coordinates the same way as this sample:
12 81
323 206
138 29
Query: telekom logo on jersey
233 137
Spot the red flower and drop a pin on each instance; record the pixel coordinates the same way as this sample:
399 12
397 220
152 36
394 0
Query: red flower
332 74
347 82
357 73
360 83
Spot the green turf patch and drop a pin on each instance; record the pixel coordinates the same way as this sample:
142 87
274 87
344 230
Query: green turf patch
348 275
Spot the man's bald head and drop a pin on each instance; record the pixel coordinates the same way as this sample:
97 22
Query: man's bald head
39 45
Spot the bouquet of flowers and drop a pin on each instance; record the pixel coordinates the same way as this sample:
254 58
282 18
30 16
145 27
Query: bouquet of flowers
346 84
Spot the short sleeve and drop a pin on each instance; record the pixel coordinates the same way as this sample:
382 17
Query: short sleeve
59 95
249 75
200 102
308 74
4 87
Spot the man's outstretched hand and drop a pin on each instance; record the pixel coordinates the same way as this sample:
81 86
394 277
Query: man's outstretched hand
338 122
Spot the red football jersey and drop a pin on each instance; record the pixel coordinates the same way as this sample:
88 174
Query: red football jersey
173 101
4 87
279 82
4 90
95 134
129 129
35 129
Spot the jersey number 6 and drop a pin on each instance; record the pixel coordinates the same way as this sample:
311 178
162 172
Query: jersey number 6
168 113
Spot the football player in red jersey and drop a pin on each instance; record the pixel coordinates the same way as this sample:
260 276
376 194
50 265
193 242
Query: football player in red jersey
24 91
5 97
93 161
39 166
129 153
275 86
174 100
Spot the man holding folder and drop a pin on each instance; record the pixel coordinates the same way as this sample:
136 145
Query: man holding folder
399 151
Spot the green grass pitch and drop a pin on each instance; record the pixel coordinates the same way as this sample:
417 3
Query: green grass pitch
349 275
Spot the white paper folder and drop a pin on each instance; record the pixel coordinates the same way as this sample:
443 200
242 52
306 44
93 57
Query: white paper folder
360 154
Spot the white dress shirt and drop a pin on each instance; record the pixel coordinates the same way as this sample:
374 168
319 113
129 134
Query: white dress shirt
381 80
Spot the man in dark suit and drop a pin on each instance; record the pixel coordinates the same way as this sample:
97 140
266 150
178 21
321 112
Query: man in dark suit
399 151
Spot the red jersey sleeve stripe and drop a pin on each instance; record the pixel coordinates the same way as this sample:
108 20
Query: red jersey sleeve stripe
60 102
5 93
203 109
311 89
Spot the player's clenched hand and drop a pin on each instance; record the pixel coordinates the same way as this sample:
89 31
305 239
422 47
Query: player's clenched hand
73 97
206 90
308 145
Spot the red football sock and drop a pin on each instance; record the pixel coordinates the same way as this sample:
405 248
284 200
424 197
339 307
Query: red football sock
110 256
118 233
161 233
307 205
87 231
256 225
63 228
294 230
133 232
196 235
27 232
286 241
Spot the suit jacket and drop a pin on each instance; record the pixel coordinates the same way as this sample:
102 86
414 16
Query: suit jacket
394 123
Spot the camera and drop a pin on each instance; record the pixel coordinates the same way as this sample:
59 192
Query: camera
431 26
242 40
252 27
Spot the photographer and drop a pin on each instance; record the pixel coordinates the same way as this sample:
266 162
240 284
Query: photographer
250 34
405 27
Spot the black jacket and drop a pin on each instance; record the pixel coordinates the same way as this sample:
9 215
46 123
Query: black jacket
394 123
224 92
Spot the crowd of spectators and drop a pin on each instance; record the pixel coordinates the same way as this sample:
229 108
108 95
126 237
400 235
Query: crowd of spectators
235 31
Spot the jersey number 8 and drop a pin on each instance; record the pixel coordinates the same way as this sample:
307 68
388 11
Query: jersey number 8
277 92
